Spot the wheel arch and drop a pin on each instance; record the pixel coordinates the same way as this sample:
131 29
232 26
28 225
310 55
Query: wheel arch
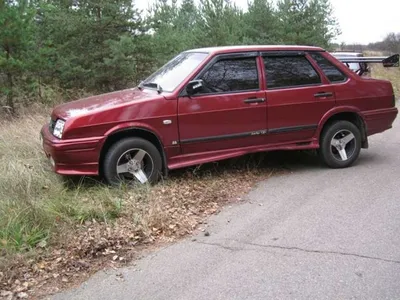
350 114
133 131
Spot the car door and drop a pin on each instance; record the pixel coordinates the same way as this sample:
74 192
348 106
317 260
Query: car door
297 96
229 111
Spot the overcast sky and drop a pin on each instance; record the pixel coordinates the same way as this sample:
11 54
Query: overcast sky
361 21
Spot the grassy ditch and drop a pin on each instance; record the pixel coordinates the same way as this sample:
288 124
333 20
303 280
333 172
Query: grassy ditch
53 229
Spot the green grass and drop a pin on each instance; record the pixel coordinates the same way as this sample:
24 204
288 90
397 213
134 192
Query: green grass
34 200
36 204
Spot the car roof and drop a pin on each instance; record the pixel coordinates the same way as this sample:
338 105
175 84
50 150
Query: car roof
230 49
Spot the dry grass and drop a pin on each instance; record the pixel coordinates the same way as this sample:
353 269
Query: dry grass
51 226
53 229
33 197
392 74
379 72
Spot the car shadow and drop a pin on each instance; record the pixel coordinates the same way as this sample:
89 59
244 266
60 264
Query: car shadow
258 162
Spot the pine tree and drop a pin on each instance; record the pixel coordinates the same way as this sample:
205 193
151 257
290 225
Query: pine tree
16 19
307 22
94 42
222 23
262 23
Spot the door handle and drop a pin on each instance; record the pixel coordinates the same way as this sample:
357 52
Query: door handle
254 100
323 94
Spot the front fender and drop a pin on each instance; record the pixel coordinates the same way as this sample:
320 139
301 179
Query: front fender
133 125
138 126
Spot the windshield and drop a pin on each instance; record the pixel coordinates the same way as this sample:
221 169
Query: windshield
175 71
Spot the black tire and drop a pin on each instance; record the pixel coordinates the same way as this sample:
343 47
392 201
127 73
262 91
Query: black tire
116 152
329 154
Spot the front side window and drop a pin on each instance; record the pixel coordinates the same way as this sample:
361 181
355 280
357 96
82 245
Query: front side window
289 71
333 73
175 71
231 75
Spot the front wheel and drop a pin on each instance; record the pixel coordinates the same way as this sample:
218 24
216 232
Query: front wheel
340 144
132 160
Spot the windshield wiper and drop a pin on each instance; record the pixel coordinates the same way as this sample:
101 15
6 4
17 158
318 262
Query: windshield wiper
151 85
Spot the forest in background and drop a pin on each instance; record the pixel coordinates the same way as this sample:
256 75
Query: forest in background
52 51
59 50
54 231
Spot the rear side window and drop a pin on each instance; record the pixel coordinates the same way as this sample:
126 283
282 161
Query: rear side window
333 73
231 75
289 71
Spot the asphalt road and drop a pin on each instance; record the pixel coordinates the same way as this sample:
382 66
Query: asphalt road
313 234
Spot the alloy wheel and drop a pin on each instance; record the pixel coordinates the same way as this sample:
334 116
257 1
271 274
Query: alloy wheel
343 145
135 165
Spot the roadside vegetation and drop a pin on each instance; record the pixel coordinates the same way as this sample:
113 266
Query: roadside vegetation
392 74
54 231
61 48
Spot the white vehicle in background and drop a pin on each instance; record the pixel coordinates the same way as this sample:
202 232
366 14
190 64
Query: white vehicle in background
359 64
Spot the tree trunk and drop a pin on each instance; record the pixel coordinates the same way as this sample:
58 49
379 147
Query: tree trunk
10 98
10 82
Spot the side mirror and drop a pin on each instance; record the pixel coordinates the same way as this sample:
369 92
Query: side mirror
194 87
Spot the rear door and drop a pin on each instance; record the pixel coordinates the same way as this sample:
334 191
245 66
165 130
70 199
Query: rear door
297 96
230 110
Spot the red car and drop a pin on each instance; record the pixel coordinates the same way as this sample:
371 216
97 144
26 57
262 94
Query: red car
216 103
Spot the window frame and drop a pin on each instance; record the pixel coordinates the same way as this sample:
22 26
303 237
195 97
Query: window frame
219 57
346 78
290 54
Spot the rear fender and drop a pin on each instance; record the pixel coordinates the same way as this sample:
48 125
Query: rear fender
342 109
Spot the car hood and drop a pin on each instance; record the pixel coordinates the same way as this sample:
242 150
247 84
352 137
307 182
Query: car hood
102 102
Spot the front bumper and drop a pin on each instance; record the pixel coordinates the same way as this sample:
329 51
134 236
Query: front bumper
380 120
72 156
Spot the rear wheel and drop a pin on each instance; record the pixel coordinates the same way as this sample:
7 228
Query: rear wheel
132 160
340 144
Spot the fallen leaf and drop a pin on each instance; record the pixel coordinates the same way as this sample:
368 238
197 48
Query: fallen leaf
42 244
120 277
6 293
20 288
41 265
22 295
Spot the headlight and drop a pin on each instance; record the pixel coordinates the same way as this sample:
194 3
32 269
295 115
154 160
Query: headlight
59 128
